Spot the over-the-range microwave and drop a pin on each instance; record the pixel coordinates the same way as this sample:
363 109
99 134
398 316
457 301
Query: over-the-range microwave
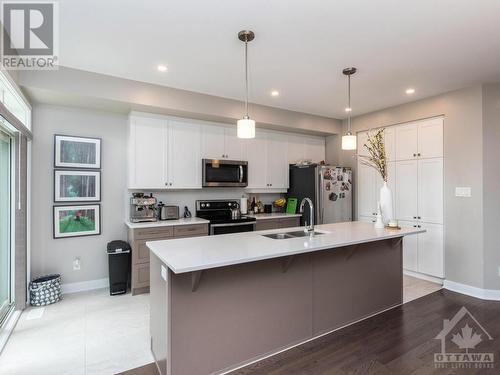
218 173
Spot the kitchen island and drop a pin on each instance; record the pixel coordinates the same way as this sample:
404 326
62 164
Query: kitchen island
221 302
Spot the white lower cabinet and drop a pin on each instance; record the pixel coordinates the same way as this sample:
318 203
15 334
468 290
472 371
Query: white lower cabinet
431 250
424 252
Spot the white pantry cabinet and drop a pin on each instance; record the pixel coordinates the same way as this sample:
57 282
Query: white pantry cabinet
164 153
221 142
420 139
416 180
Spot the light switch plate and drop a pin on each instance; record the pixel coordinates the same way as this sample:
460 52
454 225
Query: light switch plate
163 272
463 192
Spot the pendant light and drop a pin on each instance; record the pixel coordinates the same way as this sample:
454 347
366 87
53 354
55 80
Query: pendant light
349 140
246 126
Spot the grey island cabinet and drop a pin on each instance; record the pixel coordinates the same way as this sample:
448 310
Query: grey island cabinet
221 302
140 233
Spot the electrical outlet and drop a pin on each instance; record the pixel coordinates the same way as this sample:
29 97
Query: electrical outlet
464 192
498 271
76 264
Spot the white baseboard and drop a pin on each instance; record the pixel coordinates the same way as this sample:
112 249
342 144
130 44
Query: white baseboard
85 285
422 276
487 294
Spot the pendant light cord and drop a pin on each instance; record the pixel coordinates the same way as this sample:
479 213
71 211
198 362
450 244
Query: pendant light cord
349 104
246 78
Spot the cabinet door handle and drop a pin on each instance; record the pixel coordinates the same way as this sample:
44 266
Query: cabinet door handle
414 155
418 154
414 226
418 217
414 217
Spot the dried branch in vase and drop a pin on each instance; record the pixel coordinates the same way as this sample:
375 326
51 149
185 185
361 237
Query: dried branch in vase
376 158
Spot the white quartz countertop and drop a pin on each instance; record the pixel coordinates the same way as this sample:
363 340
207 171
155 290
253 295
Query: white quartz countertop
274 215
167 223
200 253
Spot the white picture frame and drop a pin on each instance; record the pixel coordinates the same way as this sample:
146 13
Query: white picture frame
77 185
77 152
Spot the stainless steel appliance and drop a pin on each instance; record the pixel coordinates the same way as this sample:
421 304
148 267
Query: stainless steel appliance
142 208
167 212
224 216
218 173
330 189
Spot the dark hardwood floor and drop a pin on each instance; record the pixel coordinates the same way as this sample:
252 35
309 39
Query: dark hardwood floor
399 341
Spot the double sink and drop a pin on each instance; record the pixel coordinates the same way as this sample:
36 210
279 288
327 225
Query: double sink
294 234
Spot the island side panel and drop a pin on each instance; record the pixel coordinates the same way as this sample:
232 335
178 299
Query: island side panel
239 313
354 282
158 322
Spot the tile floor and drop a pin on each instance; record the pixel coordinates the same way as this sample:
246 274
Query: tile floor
85 333
94 333
414 288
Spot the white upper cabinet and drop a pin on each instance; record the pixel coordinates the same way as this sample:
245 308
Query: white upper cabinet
430 190
256 155
221 142
232 144
430 138
184 156
167 152
315 149
213 142
147 158
296 148
406 190
277 165
267 161
406 141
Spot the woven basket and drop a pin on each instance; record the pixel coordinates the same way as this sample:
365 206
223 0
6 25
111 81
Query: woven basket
45 290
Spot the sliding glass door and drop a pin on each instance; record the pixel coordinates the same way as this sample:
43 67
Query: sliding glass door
5 224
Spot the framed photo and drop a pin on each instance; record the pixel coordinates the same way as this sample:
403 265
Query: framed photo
77 186
75 221
77 152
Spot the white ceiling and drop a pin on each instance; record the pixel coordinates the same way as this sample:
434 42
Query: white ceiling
300 47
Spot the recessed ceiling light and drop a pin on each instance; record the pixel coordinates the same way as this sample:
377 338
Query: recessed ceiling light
410 91
162 68
275 93
348 109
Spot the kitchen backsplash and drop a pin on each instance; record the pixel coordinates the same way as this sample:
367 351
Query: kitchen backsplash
187 198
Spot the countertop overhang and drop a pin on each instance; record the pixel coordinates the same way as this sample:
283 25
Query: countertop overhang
200 253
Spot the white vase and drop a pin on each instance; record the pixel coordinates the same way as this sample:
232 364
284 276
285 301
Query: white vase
386 204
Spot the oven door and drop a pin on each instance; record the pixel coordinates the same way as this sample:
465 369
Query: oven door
225 228
225 173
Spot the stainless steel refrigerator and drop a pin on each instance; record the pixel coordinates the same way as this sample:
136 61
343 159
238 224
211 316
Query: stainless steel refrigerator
329 187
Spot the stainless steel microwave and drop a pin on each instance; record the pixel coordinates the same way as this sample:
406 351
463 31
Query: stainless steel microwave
218 173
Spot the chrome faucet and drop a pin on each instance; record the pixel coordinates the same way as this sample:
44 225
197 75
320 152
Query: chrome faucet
308 228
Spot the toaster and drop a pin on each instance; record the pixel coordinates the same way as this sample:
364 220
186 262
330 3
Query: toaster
167 212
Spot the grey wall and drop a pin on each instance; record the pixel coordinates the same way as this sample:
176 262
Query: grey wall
463 150
79 88
47 254
491 181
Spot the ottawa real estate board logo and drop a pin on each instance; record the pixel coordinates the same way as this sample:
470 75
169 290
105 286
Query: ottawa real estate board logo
459 338
30 35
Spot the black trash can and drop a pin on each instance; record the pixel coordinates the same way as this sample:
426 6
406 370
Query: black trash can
119 266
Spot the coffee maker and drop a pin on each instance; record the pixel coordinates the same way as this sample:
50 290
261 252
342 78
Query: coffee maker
142 208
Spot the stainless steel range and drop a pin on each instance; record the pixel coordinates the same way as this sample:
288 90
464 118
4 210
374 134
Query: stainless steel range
224 216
